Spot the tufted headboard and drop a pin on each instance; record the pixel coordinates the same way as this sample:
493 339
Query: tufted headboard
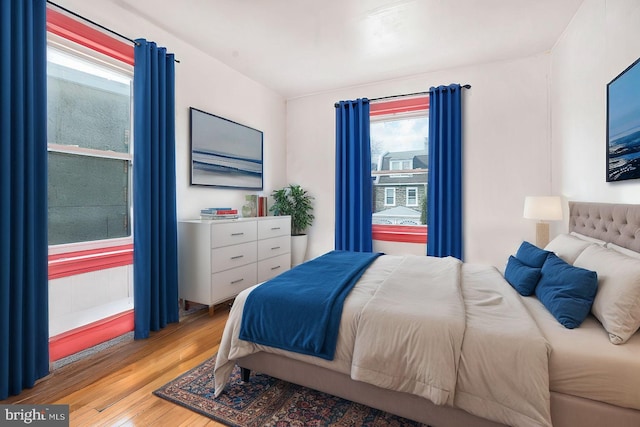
615 223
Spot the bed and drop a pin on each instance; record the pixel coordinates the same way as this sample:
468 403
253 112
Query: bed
548 374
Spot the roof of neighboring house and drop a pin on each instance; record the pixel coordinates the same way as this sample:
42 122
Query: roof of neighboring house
418 158
399 211
405 155
403 179
421 162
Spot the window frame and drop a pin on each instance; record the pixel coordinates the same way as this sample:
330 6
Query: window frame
400 108
82 53
415 189
402 164
386 196
80 257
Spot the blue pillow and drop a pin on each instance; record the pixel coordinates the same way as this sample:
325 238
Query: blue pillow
531 255
567 291
522 277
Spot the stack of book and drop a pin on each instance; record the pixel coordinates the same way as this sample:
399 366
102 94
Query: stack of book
218 213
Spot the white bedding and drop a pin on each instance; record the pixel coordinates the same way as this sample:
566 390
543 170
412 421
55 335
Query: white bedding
503 373
463 339
394 350
585 363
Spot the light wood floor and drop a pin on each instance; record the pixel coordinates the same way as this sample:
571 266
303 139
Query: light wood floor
114 387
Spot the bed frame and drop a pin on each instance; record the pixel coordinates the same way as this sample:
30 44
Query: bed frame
619 224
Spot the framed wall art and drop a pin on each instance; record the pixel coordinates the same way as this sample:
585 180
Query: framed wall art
224 153
623 125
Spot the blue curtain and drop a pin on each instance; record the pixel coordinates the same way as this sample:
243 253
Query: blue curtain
444 191
24 316
155 247
353 177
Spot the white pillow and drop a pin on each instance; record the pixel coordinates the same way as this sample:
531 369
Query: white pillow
588 239
624 251
567 247
617 302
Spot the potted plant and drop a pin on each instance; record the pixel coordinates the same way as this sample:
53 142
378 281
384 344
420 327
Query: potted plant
293 200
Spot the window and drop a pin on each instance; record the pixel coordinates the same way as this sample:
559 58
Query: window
398 165
390 196
89 108
412 196
89 77
399 134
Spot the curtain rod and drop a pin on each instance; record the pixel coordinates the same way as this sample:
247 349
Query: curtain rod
467 86
97 25
398 96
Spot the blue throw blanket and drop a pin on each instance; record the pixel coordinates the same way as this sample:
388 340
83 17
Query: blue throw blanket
300 309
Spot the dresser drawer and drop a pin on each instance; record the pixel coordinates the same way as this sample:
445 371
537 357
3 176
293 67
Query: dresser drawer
232 233
274 227
229 283
275 246
233 256
269 268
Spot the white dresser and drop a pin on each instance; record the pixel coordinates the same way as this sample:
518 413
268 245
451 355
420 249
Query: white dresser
220 258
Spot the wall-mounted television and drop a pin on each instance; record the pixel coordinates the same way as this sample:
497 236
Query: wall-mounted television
224 153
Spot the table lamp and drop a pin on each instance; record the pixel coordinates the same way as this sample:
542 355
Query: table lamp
543 209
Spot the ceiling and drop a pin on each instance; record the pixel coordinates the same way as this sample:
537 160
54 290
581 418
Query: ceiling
301 47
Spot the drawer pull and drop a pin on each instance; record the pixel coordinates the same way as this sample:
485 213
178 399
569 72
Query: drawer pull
237 234
275 268
275 228
237 281
274 248
237 257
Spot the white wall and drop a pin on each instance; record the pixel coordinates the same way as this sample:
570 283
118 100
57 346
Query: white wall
399 248
79 300
506 151
201 82
207 84
602 40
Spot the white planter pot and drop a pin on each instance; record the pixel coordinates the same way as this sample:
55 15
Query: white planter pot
298 249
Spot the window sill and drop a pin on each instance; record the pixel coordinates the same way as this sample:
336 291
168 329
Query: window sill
84 261
81 338
400 233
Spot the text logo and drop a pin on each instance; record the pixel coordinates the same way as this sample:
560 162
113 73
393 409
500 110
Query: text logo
34 415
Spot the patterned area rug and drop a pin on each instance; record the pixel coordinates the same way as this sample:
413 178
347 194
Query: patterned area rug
266 401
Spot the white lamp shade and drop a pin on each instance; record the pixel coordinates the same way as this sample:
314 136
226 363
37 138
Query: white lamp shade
543 208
